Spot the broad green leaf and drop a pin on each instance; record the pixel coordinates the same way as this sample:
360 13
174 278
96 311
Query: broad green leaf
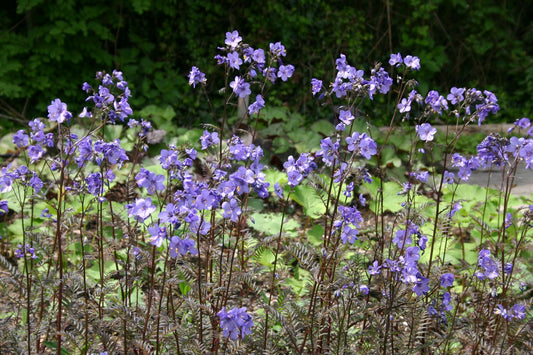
112 132
269 223
310 200
323 127
298 282
391 200
315 235
389 157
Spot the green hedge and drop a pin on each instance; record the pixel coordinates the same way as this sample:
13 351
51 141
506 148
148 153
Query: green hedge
50 47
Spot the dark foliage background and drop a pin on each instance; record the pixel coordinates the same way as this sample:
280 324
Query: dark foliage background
49 48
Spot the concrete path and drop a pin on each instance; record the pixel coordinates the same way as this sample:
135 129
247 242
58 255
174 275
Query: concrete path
523 181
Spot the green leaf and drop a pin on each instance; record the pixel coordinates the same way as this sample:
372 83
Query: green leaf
265 257
391 200
269 223
389 157
310 200
323 127
184 288
315 235
53 345
299 281
112 132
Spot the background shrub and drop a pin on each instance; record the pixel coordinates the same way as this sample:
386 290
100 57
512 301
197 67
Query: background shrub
49 47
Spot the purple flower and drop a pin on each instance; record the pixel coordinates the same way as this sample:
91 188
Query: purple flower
94 184
436 101
456 95
361 144
278 190
169 214
182 246
209 139
527 154
362 199
19 253
270 74
508 268
403 237
412 62
422 241
196 77
349 235
404 106
523 123
150 180
395 59
36 125
220 60
235 323
364 289
489 105
86 87
425 132
285 71
448 177
4 209
375 268
157 235
518 311
422 285
316 86
233 39
6 181
380 80
453 210
240 87
57 111
346 117
329 151
234 60
141 209
85 149
45 213
446 302
446 280
242 178
257 105
205 200
500 310
232 209
412 255
486 262
111 151
258 56
21 139
35 152
421 176
168 159
277 49
122 109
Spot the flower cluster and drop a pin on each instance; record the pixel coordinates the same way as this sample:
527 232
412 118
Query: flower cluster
235 323
21 251
260 64
517 311
489 266
298 169
110 98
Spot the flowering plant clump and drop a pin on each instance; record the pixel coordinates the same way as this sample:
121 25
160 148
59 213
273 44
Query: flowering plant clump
208 247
